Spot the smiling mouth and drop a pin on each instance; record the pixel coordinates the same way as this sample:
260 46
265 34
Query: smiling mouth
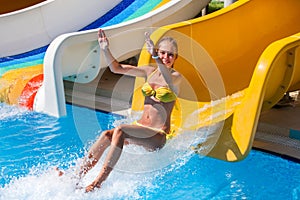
166 62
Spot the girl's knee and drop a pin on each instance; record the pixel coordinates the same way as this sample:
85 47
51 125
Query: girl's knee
107 134
119 130
114 133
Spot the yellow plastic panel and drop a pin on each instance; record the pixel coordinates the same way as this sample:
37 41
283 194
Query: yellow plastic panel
233 62
13 82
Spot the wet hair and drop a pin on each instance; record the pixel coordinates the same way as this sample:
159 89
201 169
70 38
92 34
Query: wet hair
171 40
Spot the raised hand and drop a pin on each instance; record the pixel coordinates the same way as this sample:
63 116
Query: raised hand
149 44
102 40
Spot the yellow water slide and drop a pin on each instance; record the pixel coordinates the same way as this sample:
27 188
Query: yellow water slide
235 62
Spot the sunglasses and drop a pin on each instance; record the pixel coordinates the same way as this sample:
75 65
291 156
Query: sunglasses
169 54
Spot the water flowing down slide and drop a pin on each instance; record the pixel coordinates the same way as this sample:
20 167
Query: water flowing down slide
236 62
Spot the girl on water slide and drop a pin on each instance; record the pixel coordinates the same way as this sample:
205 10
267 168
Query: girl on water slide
160 90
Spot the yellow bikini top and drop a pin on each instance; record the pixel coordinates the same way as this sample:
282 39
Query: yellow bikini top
163 93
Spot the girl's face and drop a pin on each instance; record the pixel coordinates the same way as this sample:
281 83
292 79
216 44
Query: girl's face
167 53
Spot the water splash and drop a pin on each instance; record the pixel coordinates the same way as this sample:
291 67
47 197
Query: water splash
10 111
45 142
132 176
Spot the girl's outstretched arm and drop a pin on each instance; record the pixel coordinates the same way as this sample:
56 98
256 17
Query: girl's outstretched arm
113 64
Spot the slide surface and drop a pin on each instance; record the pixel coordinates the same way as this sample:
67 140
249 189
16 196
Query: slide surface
37 25
127 13
235 62
17 69
75 56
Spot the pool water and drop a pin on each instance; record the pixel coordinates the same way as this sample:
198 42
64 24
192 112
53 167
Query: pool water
31 144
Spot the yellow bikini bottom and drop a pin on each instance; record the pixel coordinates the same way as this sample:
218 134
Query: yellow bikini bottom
154 129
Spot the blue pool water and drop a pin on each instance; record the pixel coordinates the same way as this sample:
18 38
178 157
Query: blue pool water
31 144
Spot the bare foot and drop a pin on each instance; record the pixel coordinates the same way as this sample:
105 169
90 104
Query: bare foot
92 186
60 173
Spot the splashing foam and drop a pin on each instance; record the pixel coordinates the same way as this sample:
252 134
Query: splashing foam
10 111
136 171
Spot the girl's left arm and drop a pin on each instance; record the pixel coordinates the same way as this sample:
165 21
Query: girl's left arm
172 78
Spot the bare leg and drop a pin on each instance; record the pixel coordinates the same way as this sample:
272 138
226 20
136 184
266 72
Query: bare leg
148 138
111 159
96 152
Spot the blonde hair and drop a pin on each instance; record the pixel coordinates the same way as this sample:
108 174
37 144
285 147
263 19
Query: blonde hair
171 40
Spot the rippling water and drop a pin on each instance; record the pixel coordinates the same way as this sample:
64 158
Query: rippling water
33 143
